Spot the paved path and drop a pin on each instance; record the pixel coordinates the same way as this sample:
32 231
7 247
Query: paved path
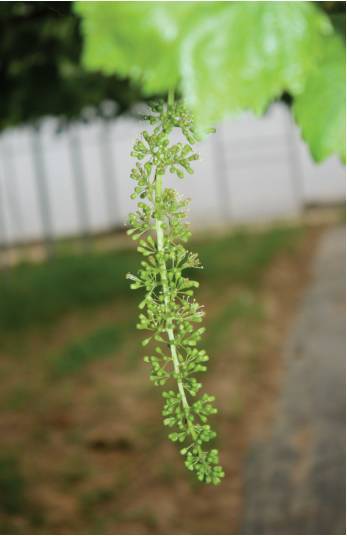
295 479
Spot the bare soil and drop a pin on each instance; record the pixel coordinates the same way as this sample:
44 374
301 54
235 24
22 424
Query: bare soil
92 451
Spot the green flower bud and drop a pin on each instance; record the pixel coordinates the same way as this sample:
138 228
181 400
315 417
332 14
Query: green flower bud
170 311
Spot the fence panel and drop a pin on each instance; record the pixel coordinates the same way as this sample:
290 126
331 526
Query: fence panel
77 182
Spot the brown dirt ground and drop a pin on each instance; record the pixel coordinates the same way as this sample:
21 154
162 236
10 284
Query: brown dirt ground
93 450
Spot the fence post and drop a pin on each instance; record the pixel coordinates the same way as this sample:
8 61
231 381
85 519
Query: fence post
79 186
10 178
222 182
108 172
42 191
294 162
2 230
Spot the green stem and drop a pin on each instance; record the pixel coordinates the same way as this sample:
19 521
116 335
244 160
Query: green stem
171 97
164 282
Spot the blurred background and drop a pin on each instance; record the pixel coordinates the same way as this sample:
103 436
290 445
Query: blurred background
83 449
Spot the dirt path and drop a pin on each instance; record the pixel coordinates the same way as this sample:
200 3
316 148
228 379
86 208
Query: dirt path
295 477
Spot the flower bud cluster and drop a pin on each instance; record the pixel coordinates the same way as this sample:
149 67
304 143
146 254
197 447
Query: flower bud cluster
168 310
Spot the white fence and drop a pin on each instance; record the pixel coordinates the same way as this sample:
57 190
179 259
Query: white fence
77 182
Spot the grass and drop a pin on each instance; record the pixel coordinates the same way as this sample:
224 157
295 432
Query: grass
38 294
243 306
95 498
243 256
15 500
98 344
57 482
19 398
12 486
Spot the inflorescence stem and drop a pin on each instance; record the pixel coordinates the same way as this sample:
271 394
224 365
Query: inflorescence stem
163 277
169 308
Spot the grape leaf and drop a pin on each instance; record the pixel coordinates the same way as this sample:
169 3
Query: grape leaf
224 57
140 40
320 110
248 54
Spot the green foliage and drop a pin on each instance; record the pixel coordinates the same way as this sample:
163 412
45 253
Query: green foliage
248 54
41 73
19 398
95 345
12 486
320 108
119 48
169 310
223 56
41 293
243 307
243 256
95 498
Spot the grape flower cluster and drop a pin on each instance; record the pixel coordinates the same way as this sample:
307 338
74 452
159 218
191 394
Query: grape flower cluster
169 311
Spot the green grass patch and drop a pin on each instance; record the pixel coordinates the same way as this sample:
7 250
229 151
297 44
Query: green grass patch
36 294
243 307
17 508
12 486
243 256
18 399
96 498
96 345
